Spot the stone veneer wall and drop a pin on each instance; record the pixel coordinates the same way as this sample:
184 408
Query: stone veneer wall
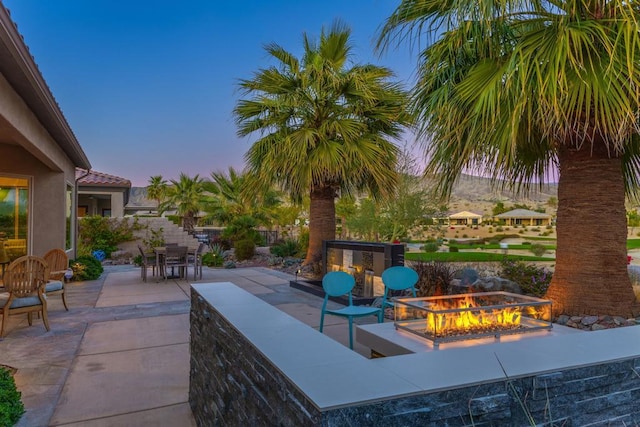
232 383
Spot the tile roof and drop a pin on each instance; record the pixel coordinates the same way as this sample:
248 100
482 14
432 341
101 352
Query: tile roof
465 214
523 213
100 179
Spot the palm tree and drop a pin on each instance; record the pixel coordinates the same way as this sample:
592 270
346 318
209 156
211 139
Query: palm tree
524 90
325 127
157 188
234 194
187 196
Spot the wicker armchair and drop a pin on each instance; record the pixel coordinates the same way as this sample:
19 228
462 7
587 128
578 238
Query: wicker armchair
24 281
58 262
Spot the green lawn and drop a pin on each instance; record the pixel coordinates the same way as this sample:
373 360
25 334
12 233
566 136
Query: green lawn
469 257
463 246
633 243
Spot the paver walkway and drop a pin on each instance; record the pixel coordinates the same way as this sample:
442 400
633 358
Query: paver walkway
120 355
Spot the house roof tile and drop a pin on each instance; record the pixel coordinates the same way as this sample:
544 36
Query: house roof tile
100 179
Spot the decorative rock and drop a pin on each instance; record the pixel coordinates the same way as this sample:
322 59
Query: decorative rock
589 320
467 276
563 319
598 327
491 284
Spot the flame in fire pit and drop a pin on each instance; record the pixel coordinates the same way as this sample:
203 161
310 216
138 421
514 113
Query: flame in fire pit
475 315
466 316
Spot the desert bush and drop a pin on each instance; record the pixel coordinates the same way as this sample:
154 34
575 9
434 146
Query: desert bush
286 248
11 407
430 247
214 257
245 249
434 277
86 268
538 249
533 280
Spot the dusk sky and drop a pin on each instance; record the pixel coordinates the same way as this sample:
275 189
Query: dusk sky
148 86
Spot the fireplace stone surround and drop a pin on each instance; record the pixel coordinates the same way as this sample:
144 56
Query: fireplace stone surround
252 364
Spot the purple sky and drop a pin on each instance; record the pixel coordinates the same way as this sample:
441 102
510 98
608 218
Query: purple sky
148 86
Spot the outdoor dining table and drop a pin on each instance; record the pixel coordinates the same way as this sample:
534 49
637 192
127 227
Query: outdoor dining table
160 252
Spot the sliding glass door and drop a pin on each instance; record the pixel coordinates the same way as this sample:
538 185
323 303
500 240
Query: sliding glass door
14 215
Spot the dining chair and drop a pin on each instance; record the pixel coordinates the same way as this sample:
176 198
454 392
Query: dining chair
338 283
24 282
147 260
58 263
196 260
398 278
176 256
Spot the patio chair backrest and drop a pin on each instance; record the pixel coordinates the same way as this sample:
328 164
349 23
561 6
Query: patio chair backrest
58 262
26 275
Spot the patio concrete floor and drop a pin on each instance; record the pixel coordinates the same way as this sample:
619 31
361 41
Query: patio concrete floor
120 355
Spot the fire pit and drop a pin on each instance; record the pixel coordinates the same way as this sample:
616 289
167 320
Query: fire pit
474 315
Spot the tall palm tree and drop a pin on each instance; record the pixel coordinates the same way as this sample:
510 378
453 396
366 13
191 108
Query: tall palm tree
325 127
187 196
157 188
524 90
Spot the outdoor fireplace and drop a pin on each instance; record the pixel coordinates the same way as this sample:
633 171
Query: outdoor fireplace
473 315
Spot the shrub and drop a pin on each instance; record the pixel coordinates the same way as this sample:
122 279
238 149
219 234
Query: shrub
212 259
303 238
499 229
245 249
86 268
221 242
538 249
153 238
286 248
243 228
99 233
137 260
434 277
11 407
430 247
453 249
533 280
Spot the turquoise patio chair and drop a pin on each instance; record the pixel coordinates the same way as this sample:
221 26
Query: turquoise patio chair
398 278
338 283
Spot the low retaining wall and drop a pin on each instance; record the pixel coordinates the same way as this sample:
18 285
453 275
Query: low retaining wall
252 364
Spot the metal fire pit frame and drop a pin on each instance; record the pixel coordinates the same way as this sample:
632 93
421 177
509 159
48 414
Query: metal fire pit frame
411 314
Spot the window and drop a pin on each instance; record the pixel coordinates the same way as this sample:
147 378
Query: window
14 215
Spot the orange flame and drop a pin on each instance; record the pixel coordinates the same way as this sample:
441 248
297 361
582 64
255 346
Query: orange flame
475 320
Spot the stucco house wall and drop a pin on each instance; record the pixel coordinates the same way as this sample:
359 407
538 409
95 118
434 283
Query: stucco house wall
524 217
36 142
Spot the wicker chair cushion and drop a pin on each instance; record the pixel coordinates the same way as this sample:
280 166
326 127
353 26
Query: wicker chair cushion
19 302
53 285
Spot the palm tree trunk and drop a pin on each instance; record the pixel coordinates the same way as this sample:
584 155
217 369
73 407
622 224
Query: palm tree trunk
322 221
188 223
591 278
